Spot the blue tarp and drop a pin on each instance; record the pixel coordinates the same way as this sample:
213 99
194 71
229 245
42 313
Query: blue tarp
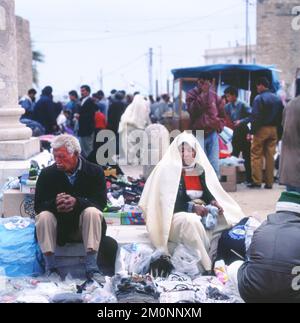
232 74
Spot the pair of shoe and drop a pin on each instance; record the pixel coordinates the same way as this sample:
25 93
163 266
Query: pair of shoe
268 187
253 185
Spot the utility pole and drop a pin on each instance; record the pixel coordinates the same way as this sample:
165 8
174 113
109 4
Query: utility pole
168 86
247 32
150 69
101 79
160 70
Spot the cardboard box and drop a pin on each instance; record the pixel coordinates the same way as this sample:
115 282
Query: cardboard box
27 189
228 178
110 172
14 202
112 218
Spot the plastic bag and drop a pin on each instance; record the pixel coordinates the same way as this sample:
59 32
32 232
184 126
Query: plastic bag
185 261
251 225
20 254
133 258
210 221
11 183
221 272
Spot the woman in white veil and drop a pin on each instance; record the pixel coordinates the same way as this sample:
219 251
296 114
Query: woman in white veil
160 198
135 118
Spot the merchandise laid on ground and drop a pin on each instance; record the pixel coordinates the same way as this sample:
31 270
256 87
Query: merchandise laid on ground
22 279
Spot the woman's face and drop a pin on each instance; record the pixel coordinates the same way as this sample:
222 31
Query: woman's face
187 154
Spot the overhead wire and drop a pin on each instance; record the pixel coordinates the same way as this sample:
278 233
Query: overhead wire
159 29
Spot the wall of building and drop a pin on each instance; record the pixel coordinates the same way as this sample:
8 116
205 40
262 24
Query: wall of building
278 41
230 55
24 56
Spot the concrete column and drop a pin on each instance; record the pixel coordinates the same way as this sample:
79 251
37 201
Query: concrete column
10 112
24 56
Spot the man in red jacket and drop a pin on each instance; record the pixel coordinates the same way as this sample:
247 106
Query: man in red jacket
207 113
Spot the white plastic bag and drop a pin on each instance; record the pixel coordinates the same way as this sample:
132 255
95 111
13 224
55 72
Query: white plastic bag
251 225
133 259
185 261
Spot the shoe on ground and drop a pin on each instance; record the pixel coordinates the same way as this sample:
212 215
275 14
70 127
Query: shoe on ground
268 187
253 185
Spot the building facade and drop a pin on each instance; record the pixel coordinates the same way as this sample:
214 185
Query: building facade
230 55
278 38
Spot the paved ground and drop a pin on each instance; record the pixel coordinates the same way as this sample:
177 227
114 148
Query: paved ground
258 202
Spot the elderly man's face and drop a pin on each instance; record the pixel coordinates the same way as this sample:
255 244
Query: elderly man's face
187 154
64 160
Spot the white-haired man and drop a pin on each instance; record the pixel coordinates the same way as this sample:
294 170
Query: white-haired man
70 195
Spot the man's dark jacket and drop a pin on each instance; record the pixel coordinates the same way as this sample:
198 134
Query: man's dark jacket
45 112
87 118
267 111
89 189
115 112
273 254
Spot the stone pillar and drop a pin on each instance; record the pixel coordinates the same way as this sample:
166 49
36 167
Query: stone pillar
10 112
24 56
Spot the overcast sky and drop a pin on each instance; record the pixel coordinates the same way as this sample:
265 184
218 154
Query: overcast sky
79 38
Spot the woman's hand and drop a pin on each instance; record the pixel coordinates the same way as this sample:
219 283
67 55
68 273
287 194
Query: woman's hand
217 205
200 210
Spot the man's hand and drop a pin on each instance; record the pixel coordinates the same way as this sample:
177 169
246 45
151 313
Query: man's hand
200 210
70 203
60 201
217 205
237 123
65 203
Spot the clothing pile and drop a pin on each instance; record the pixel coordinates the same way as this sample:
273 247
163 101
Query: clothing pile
209 289
53 290
123 195
180 288
177 288
231 161
123 190
135 289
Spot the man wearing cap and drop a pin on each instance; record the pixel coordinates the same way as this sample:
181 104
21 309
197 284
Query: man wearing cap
273 261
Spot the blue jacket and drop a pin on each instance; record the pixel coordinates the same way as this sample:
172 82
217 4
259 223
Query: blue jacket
267 111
